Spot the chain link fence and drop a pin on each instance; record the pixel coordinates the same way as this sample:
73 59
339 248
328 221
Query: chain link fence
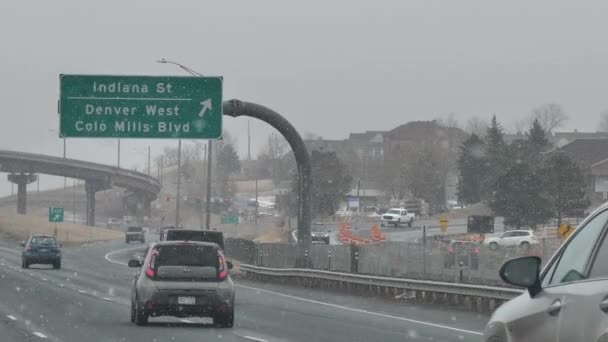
429 261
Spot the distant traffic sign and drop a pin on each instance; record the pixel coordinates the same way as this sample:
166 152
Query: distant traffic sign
55 214
140 107
229 219
443 223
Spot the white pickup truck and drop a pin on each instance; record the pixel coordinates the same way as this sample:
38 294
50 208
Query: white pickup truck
396 217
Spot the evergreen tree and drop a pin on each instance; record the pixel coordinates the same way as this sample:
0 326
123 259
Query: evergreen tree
472 169
564 186
519 198
498 159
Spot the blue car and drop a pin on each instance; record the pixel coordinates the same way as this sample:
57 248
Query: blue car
41 249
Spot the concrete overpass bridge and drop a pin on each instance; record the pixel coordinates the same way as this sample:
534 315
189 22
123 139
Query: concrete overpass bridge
23 168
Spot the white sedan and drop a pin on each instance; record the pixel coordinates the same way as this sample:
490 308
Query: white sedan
521 238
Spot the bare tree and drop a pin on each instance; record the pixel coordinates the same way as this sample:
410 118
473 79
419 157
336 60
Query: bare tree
550 116
603 127
520 126
275 153
477 126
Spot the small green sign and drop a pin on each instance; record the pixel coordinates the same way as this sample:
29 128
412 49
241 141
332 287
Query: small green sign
103 106
230 219
55 214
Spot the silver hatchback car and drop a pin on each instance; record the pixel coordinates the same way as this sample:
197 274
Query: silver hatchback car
568 300
183 279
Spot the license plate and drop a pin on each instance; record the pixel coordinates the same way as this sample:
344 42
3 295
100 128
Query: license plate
43 250
186 300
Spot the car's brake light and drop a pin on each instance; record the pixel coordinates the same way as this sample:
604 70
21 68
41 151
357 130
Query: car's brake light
451 249
222 267
150 269
476 250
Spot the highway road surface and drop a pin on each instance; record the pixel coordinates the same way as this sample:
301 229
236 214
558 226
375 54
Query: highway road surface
88 300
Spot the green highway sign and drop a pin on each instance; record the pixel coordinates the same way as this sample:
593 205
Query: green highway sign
92 106
55 214
229 219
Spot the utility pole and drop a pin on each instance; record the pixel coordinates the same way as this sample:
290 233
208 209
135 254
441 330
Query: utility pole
202 189
209 160
65 180
118 154
256 199
179 180
248 140
148 160
160 173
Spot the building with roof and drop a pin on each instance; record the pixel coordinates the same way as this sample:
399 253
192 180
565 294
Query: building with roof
591 156
560 139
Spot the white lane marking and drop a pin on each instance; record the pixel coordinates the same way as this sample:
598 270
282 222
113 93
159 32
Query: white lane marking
60 285
41 335
107 299
81 291
186 321
11 317
107 256
435 325
252 338
44 279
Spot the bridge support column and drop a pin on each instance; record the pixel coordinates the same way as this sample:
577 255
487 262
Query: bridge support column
144 207
91 188
22 180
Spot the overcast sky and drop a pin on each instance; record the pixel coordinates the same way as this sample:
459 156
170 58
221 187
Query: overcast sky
330 67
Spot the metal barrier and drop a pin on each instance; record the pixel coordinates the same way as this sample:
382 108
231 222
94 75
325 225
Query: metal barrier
490 292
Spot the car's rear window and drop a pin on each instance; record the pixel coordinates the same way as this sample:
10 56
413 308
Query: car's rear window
134 229
195 235
187 255
43 241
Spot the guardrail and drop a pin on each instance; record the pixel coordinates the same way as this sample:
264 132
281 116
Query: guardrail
483 298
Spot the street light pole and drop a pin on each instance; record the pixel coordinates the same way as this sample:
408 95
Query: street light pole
210 146
179 180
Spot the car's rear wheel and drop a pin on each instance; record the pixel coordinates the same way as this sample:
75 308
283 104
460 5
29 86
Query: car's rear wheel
57 264
411 223
141 318
224 320
24 263
398 223
381 223
133 312
493 245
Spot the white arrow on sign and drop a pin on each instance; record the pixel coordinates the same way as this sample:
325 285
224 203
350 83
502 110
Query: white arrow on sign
56 218
206 105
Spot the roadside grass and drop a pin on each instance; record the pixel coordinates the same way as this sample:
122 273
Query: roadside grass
19 227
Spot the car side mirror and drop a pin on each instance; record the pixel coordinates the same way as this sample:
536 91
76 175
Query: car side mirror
134 263
523 272
230 265
22 243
